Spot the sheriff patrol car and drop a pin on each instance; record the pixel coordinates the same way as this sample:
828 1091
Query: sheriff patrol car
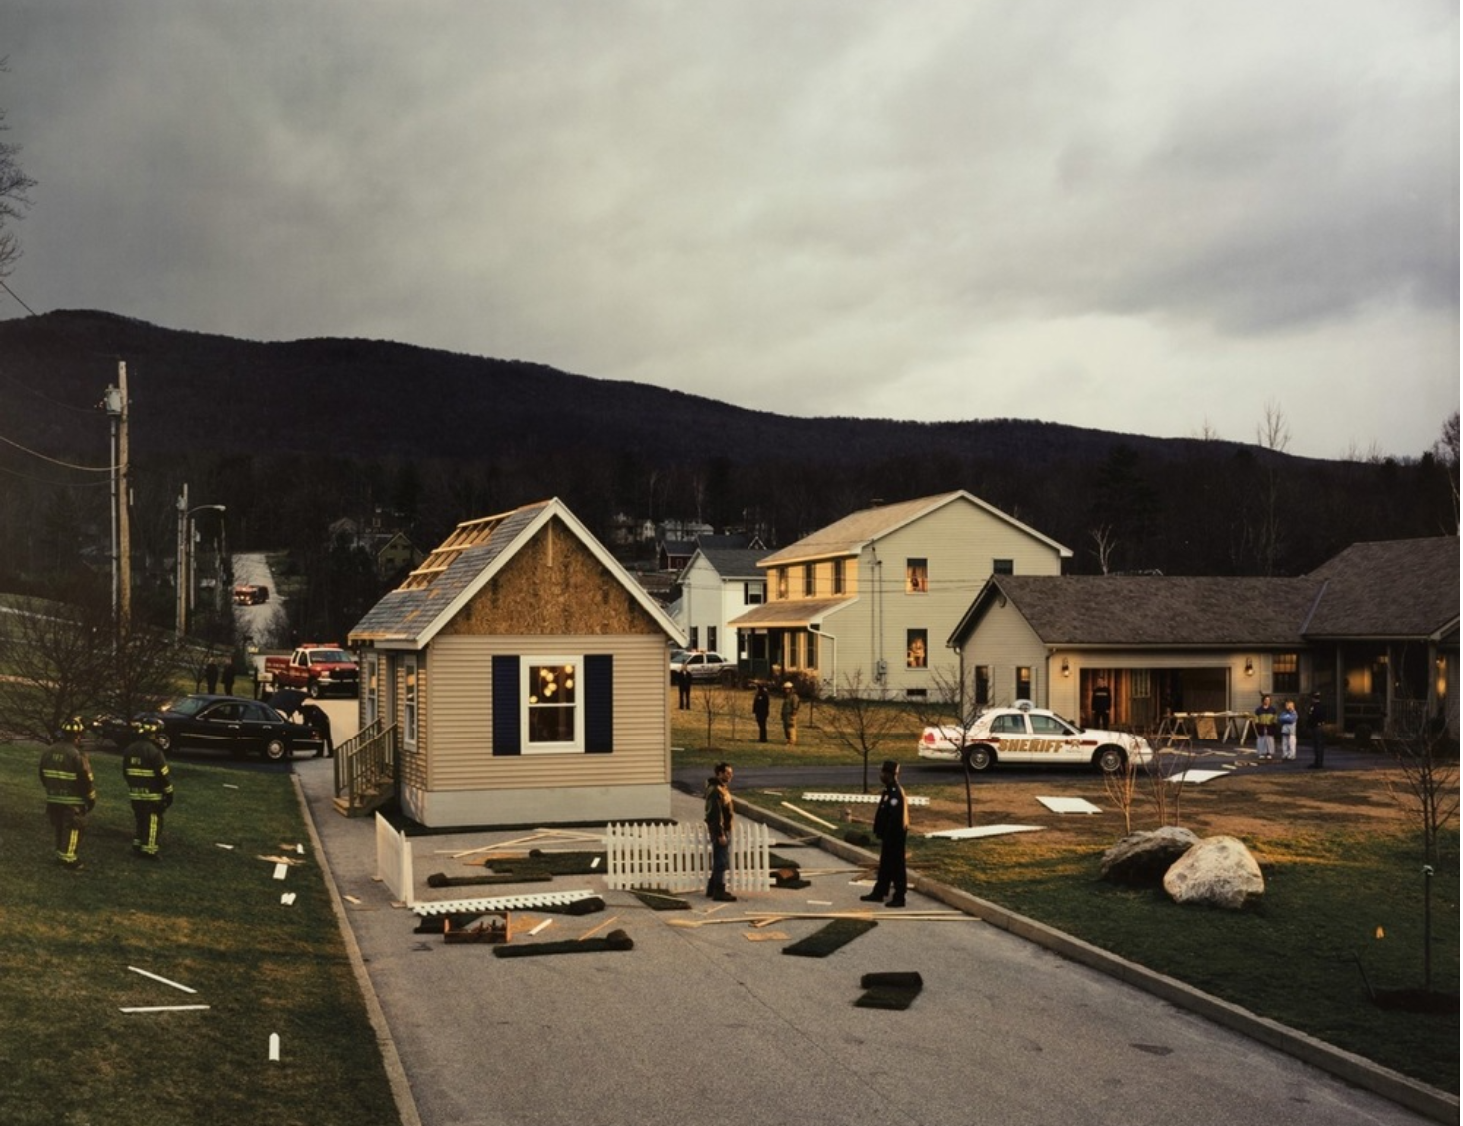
1026 734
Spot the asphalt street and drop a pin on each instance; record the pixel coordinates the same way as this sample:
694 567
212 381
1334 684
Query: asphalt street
703 1024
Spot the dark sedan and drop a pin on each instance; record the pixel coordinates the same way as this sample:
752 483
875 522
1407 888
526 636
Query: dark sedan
230 723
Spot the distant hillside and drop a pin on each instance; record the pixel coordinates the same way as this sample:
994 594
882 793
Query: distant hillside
193 392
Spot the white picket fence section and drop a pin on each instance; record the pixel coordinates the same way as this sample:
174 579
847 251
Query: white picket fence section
393 860
678 857
861 799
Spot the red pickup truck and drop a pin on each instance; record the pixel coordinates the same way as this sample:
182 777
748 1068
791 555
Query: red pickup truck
315 669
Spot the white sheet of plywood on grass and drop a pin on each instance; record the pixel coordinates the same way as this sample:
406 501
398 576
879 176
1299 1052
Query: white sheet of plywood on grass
1069 805
869 798
1197 776
983 831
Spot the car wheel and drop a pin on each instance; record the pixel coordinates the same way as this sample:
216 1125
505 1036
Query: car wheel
276 750
314 690
1111 759
979 758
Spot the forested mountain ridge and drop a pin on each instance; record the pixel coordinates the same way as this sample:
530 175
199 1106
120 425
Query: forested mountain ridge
291 436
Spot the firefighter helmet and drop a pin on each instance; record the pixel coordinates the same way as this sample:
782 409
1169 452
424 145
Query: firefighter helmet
73 726
146 725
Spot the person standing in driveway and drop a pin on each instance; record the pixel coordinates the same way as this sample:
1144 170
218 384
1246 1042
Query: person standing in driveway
1316 721
891 826
71 791
683 683
149 785
1101 706
314 717
1265 723
1288 720
719 817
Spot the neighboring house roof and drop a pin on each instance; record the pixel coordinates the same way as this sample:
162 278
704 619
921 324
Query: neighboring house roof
466 561
850 535
1395 589
796 613
732 563
1148 610
1389 588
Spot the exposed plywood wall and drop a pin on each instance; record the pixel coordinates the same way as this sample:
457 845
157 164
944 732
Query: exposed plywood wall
553 585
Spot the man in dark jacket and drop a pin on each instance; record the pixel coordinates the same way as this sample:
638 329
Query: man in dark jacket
149 785
1316 721
719 817
315 718
891 826
761 707
71 791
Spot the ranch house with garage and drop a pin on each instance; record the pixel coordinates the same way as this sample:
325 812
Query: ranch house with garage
517 677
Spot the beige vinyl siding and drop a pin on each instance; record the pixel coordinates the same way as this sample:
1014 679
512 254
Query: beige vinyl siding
1004 641
460 719
959 543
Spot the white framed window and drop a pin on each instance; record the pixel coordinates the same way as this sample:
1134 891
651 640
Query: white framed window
370 672
409 703
551 702
754 594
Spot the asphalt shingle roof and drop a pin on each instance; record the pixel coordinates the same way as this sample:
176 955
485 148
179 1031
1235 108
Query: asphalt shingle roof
1390 588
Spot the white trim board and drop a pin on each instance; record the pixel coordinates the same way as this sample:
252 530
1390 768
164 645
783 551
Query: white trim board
983 831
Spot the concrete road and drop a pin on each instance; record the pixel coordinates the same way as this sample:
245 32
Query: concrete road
704 1024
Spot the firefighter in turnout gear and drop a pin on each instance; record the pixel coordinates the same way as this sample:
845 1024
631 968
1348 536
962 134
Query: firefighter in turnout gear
71 791
149 785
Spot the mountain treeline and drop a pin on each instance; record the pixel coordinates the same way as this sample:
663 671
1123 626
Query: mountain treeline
290 437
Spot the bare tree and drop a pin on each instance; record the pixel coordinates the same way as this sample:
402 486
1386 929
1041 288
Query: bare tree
1273 434
15 188
861 723
1104 543
56 658
951 708
1445 450
1429 794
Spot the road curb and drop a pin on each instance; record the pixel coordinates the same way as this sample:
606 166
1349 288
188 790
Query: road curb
1346 1066
406 1105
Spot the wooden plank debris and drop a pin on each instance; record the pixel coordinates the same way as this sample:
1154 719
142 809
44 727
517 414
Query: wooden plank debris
810 817
165 981
163 1008
983 831
1069 805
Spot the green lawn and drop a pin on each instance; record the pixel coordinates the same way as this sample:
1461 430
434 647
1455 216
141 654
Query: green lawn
203 916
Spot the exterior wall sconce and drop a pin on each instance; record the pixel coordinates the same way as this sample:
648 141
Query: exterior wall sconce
1066 668
1249 667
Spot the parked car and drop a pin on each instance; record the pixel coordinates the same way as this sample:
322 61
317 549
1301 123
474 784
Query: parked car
704 665
1025 734
220 723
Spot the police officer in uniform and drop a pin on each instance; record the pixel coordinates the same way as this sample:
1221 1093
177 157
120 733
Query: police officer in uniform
149 785
891 826
71 791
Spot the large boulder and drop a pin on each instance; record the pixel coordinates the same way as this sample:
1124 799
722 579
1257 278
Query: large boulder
1141 859
1218 871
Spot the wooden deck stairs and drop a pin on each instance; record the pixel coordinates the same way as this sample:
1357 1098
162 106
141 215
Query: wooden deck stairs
365 770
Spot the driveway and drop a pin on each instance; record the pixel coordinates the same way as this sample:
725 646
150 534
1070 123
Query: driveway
702 1024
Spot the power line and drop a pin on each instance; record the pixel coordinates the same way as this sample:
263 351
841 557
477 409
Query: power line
18 301
54 461
55 484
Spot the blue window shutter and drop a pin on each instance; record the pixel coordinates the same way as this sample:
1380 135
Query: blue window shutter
507 736
599 704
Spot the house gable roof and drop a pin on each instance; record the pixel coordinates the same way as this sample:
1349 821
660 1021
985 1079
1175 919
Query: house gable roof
1150 610
1389 588
731 563
466 561
851 534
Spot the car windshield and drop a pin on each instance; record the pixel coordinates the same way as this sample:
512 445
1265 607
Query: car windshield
188 705
329 656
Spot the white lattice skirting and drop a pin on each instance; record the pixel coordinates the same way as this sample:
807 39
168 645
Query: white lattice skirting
678 857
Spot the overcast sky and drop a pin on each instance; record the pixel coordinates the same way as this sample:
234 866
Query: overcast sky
1147 216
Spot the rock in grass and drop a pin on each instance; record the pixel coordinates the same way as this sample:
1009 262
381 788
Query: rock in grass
1141 859
1218 871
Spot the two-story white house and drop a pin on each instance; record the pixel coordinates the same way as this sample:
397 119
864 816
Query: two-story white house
873 597
717 585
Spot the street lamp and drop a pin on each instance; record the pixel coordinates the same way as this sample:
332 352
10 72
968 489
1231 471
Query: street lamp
185 556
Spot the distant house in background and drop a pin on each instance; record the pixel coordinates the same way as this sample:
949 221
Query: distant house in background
1375 630
523 670
391 550
717 585
872 596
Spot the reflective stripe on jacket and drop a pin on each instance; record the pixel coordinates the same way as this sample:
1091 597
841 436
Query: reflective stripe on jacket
67 777
146 771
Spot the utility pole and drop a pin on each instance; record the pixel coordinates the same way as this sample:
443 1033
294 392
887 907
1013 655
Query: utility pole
114 402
